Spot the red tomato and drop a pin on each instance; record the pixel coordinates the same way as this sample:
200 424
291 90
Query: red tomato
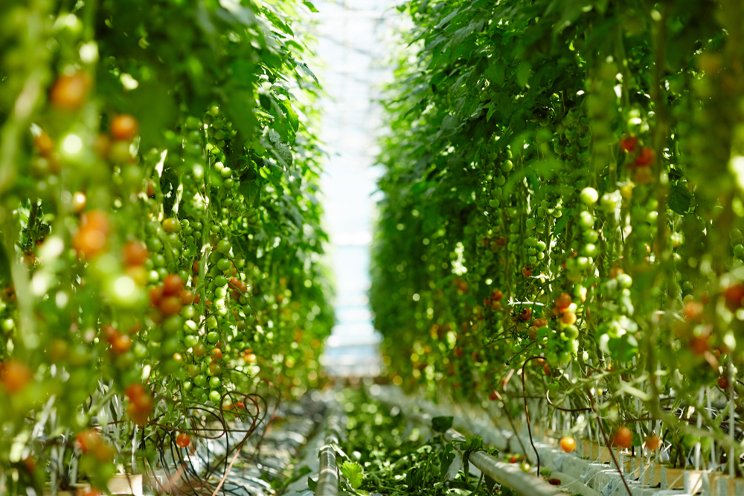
172 285
645 157
183 440
170 305
628 144
92 236
734 296
525 315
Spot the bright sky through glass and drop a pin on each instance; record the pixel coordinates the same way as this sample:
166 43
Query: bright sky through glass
351 38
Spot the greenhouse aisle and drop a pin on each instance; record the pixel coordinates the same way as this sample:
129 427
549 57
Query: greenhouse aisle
535 234
352 36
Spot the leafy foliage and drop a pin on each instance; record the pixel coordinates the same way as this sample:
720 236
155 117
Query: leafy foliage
559 191
161 233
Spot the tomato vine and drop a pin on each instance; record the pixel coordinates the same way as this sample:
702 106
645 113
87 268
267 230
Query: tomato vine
161 234
564 182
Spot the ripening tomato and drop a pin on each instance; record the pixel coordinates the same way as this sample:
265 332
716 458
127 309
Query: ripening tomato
183 440
237 284
70 91
734 296
89 242
645 157
693 310
622 437
124 127
568 318
171 225
652 442
44 144
92 236
628 144
87 439
14 375
172 285
563 301
568 444
525 315
121 344
540 322
699 344
134 254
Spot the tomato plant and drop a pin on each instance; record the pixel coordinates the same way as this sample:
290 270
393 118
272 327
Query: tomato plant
157 200
549 193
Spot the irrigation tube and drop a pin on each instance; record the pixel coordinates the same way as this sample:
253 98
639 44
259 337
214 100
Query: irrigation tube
507 474
588 477
328 470
328 474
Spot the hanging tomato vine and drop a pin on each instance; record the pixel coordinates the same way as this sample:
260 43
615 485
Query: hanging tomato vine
563 201
161 236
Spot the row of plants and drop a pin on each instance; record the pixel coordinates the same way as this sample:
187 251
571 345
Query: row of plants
383 452
161 246
561 229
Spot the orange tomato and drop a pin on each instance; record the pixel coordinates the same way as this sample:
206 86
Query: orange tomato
563 301
14 376
134 254
70 91
652 442
124 127
183 440
622 437
568 444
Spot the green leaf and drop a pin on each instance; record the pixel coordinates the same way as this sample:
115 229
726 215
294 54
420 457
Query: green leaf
441 424
153 105
524 72
680 199
353 472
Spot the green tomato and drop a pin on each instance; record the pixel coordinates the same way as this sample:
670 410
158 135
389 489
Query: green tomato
215 396
213 337
589 196
586 220
200 380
